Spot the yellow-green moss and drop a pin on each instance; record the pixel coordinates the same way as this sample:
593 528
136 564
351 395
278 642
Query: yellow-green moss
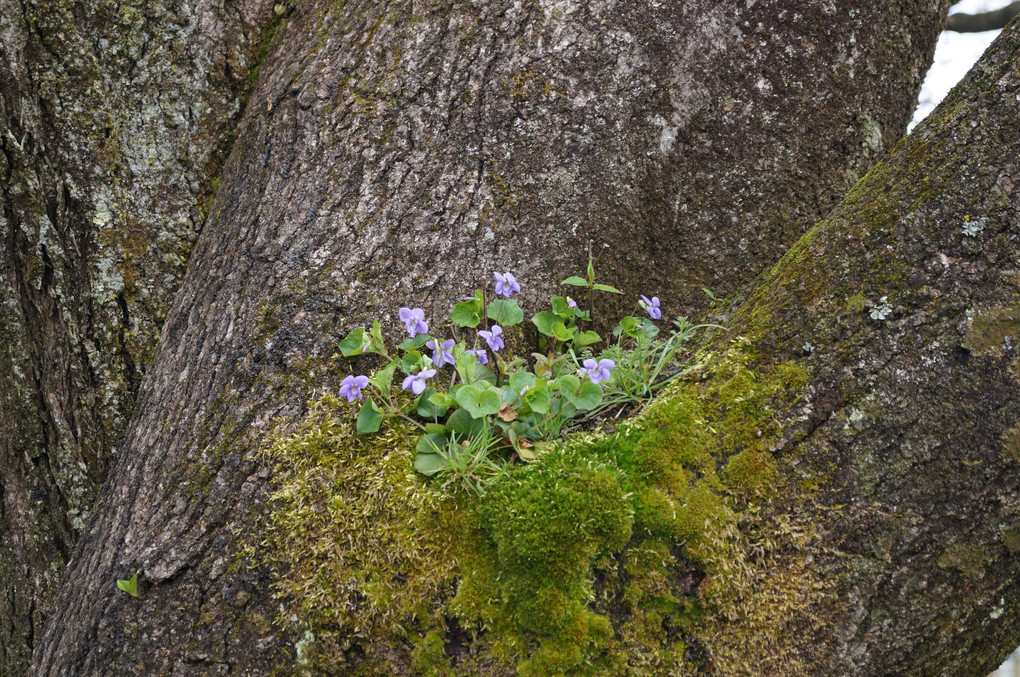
968 559
610 554
990 328
361 544
429 656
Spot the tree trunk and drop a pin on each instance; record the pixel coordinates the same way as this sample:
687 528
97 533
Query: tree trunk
411 150
116 118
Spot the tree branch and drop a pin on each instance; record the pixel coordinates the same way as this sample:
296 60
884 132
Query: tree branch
985 21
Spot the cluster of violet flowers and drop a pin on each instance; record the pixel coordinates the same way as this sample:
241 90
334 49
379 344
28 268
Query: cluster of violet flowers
352 387
533 401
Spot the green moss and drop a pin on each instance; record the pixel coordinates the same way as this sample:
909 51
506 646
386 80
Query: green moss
429 656
990 328
1011 539
361 545
856 303
604 556
966 558
1011 444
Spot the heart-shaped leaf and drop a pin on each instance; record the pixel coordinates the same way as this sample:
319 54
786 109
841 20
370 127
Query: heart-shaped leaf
430 464
369 418
354 343
478 401
545 320
505 312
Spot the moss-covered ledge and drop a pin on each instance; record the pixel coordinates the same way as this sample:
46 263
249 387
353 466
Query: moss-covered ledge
644 550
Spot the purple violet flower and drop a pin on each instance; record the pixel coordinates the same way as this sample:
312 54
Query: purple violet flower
414 320
480 356
416 382
599 371
652 306
351 387
492 337
506 284
571 303
441 352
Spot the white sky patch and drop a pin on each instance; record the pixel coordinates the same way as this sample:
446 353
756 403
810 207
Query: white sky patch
954 56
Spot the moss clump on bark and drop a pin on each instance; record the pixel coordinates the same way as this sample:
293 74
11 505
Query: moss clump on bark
602 556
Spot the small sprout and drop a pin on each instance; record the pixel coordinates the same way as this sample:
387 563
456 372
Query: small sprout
129 586
882 310
280 9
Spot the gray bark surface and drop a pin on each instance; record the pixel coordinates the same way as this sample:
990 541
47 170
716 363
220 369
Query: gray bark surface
914 402
115 118
397 153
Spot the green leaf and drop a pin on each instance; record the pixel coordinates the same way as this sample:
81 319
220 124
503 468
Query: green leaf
538 400
383 379
466 367
425 408
430 464
568 383
562 332
526 453
519 380
376 343
545 320
631 326
129 586
353 344
442 400
432 443
586 338
588 396
411 361
505 312
369 418
468 313
606 287
591 270
575 281
416 342
435 428
478 401
462 423
650 330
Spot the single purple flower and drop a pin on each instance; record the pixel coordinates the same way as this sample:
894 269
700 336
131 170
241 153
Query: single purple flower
414 320
506 284
352 386
652 306
480 355
599 371
571 303
441 353
492 337
416 382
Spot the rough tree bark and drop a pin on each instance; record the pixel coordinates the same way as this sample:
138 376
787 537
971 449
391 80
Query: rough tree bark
116 119
413 149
